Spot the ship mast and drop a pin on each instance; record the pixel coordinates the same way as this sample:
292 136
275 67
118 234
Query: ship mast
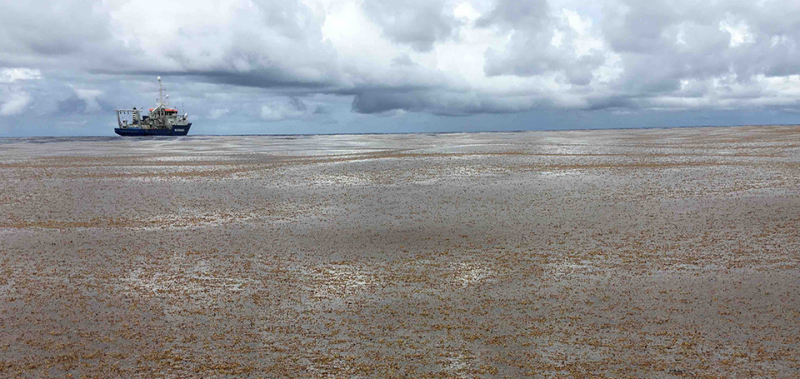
160 92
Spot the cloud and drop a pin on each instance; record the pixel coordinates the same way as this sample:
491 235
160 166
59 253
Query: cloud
14 98
613 55
418 23
265 44
217 113
11 75
289 108
89 97
562 43
83 101
15 103
306 60
514 14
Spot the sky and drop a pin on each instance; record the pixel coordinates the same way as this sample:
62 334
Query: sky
364 66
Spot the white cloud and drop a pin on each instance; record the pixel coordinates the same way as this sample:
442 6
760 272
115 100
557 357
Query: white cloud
271 41
13 96
466 11
739 31
15 103
217 113
11 75
89 96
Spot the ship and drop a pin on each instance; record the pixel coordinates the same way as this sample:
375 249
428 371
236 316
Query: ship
161 120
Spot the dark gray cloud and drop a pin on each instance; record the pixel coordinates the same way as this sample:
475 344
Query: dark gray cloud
402 60
418 23
443 103
83 104
72 105
285 108
514 14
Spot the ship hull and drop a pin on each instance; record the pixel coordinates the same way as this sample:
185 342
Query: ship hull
177 130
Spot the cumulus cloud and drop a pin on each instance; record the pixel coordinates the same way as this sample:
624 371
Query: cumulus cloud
418 23
15 103
218 112
562 42
89 96
83 101
442 57
11 75
14 99
614 55
289 108
513 14
265 43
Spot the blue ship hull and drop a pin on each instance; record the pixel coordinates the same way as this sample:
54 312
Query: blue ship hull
138 132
